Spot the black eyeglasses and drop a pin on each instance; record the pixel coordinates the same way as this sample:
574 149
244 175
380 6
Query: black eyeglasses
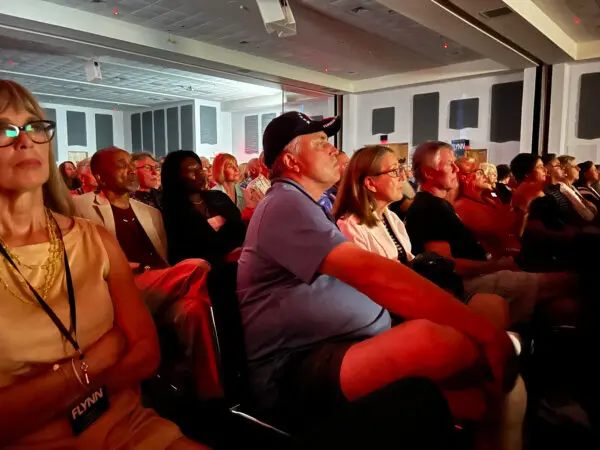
394 173
39 131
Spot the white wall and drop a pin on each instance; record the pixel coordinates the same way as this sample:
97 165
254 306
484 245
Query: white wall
564 112
62 146
358 109
317 107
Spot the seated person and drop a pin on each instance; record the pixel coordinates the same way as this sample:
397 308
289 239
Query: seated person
586 209
505 179
148 175
588 176
253 169
497 227
315 306
199 223
373 180
175 294
226 174
69 174
433 225
77 341
87 179
564 207
328 198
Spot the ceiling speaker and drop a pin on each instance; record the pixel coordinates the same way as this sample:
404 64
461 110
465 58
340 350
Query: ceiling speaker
277 17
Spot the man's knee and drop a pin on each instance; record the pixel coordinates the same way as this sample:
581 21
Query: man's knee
493 307
444 343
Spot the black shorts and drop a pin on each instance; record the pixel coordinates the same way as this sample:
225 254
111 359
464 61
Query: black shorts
309 383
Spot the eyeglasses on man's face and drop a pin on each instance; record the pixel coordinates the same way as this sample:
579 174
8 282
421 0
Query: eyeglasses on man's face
149 168
39 131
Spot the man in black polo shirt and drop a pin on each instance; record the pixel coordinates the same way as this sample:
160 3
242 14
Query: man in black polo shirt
433 225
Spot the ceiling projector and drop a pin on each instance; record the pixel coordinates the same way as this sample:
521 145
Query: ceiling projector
277 17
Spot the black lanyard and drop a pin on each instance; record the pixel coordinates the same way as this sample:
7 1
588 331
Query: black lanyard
71 337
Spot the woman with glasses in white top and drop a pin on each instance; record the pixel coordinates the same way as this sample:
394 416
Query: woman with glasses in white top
372 181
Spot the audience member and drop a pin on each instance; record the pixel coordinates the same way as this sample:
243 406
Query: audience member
490 173
199 223
56 373
69 174
588 176
206 164
497 227
88 181
225 175
586 209
315 306
174 294
503 188
253 172
433 225
243 175
148 176
327 200
373 180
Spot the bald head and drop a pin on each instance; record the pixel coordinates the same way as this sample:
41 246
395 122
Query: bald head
115 170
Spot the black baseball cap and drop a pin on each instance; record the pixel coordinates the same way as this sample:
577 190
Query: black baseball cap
283 129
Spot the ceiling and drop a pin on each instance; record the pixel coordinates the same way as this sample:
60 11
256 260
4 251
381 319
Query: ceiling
333 35
55 75
580 19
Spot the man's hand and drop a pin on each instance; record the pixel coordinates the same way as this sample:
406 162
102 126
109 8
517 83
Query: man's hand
253 197
502 359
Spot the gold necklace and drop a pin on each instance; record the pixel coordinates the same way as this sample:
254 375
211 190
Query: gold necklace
51 265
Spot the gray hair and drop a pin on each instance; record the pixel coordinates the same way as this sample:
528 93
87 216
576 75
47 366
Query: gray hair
278 167
141 155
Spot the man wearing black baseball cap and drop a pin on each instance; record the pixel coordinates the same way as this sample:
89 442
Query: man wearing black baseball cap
315 306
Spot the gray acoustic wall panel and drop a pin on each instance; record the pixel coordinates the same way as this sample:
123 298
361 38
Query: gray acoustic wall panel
136 132
507 105
588 120
104 131
187 127
51 115
208 125
251 134
160 144
173 129
76 128
147 133
464 113
383 120
426 117
265 120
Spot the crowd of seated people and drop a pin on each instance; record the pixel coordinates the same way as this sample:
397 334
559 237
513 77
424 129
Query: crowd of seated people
339 298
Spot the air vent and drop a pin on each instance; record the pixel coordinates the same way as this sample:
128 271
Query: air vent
495 13
358 10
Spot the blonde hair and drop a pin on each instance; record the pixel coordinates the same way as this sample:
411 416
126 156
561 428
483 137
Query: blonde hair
56 194
353 197
488 169
218 166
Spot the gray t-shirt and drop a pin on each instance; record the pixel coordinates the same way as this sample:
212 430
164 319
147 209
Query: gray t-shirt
285 303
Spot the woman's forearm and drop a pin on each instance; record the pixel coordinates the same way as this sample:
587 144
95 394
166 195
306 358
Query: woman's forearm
27 405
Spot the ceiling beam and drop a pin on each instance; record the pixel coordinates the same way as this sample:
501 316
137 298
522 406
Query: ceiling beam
452 72
536 16
109 33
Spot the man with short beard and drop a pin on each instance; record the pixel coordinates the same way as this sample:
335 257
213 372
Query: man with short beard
174 293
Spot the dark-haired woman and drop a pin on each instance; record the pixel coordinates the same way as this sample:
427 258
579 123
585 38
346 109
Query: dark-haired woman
199 223
588 176
69 174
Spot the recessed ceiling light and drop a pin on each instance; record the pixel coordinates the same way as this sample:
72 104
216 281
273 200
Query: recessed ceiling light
244 42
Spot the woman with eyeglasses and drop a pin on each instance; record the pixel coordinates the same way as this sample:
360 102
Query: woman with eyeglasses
76 339
372 181
496 226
